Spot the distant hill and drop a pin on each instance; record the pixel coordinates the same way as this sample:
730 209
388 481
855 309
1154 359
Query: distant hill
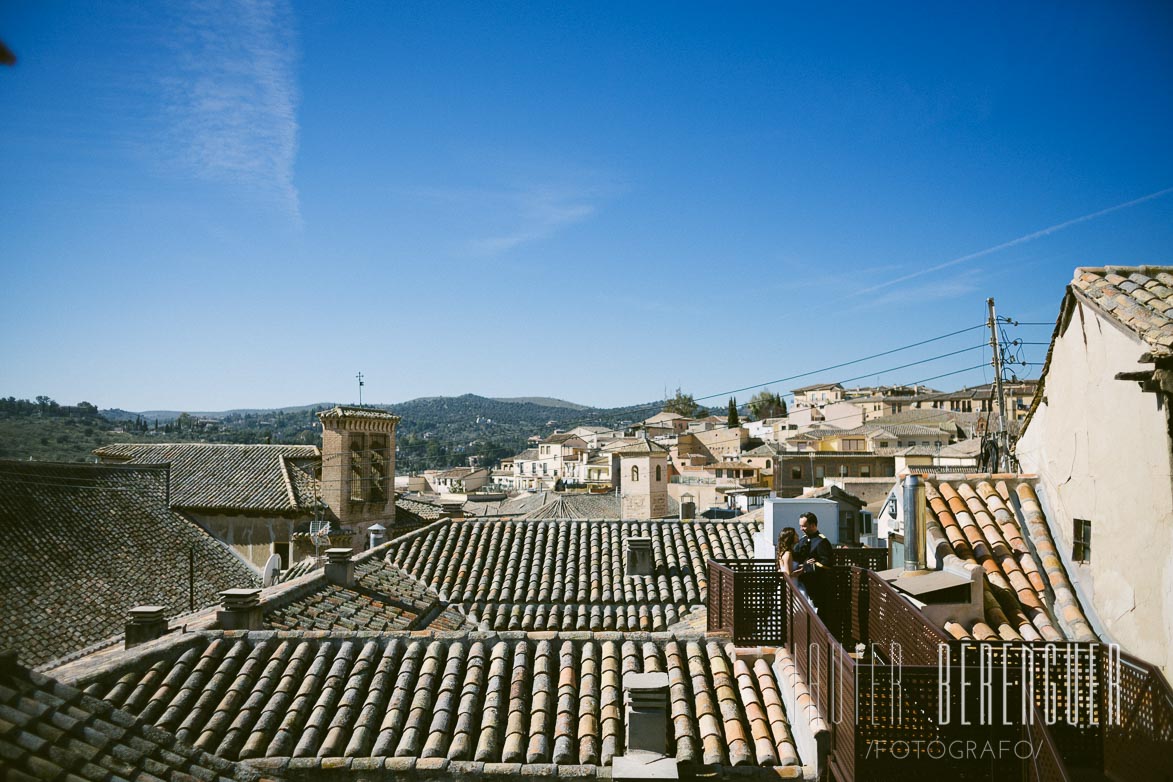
118 414
436 432
544 401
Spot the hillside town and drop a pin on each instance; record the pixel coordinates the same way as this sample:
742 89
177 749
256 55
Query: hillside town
607 603
829 435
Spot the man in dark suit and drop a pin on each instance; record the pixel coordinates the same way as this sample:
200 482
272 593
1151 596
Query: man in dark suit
814 554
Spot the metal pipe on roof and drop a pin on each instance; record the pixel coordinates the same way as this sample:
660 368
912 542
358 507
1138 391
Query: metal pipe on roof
914 523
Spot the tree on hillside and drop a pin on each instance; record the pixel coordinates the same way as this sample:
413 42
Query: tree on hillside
767 404
733 420
681 404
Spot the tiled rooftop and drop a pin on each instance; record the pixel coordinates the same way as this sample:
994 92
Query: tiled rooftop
413 514
569 574
51 731
551 505
348 411
383 598
1140 297
513 507
997 522
90 542
450 702
216 477
641 447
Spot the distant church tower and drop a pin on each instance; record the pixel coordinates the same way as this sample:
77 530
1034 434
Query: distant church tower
358 466
642 480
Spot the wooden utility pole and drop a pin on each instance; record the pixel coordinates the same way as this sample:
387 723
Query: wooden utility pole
1001 440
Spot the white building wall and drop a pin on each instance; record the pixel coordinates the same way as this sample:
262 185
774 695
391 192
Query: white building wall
1101 449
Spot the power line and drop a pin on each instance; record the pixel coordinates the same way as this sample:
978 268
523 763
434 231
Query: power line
848 363
659 404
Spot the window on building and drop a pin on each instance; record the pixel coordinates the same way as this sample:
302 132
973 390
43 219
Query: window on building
865 471
768 464
1081 549
820 471
885 444
843 471
358 464
634 473
283 550
796 473
659 475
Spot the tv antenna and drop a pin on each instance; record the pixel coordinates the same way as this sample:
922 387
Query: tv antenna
360 385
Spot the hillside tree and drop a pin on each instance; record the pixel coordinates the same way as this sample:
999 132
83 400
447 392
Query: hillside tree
681 404
767 404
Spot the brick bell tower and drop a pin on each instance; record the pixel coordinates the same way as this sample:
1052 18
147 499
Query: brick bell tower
642 480
358 466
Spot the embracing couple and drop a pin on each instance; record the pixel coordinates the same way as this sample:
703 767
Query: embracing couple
805 559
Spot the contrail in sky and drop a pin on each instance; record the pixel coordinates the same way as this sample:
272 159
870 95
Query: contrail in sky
1013 242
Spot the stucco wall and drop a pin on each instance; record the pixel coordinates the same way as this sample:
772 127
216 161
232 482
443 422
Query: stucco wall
1100 447
250 537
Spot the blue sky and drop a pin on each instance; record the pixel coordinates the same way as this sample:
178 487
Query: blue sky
209 205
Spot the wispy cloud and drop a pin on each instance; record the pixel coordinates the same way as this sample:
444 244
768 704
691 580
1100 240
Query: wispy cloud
231 109
1030 237
492 220
536 213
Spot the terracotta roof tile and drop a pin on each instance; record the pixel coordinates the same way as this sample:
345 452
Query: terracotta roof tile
383 598
996 522
107 527
229 477
547 702
535 575
51 731
1140 298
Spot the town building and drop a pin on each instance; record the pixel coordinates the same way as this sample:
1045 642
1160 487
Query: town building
1098 437
267 500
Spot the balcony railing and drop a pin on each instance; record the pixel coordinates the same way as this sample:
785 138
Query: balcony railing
899 671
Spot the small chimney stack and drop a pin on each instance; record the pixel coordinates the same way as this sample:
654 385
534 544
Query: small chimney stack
340 567
645 697
145 623
242 609
378 534
639 557
914 524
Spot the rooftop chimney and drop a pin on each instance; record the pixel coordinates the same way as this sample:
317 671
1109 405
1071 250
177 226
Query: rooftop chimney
645 697
242 609
914 523
145 623
378 534
639 557
340 567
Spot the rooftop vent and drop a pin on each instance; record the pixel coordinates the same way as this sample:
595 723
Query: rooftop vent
242 609
145 623
340 567
639 557
645 697
378 534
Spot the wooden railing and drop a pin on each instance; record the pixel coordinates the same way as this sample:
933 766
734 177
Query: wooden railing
759 606
1140 744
